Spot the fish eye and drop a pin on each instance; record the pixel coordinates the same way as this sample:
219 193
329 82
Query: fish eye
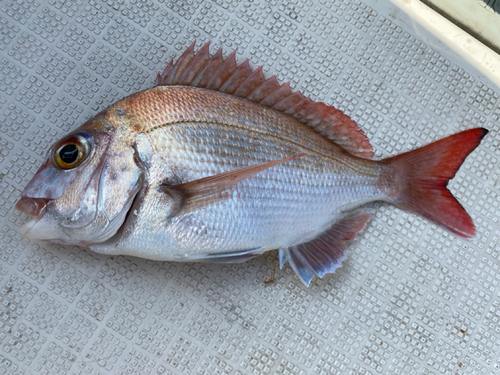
71 151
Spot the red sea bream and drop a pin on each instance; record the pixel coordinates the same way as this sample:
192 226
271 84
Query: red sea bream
217 163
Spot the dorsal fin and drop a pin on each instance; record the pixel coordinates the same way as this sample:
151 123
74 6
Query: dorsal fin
225 75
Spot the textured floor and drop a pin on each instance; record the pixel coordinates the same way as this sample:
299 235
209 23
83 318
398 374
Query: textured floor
410 299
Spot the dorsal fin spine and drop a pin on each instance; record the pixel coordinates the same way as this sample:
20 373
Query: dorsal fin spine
181 65
264 89
291 100
222 74
158 79
198 61
271 99
293 108
253 81
235 80
163 76
202 78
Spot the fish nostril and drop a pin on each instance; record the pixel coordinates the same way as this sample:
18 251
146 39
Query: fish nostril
31 206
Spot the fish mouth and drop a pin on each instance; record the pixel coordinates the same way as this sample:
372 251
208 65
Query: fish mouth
32 206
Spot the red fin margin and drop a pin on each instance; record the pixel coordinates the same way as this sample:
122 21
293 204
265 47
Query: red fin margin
225 75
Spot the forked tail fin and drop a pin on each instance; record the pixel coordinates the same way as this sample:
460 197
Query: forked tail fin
417 180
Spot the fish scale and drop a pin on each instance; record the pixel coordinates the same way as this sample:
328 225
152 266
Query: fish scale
324 188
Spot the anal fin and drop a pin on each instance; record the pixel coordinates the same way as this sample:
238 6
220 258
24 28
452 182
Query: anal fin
324 254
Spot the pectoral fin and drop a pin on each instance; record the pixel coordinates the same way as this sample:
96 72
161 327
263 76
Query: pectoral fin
193 195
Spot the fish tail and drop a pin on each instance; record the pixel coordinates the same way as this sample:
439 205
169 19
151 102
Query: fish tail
417 180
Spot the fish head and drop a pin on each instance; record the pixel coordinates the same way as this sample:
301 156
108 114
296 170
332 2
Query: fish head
85 187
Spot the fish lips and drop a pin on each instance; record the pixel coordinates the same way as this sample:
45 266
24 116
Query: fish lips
34 207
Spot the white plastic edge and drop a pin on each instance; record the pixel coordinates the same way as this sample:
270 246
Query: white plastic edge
474 52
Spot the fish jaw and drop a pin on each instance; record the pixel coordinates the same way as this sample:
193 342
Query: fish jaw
39 228
32 206
42 225
46 223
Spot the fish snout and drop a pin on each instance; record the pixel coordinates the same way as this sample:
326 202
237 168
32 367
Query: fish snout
32 206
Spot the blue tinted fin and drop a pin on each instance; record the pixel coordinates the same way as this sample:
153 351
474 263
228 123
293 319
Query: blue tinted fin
324 254
284 257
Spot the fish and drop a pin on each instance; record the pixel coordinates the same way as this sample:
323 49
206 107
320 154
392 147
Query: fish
217 163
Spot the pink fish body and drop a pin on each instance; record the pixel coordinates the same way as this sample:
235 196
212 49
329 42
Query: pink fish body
216 163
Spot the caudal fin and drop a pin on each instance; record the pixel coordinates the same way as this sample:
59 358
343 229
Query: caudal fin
418 180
